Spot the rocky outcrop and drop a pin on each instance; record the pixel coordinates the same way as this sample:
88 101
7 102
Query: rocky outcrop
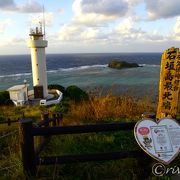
122 64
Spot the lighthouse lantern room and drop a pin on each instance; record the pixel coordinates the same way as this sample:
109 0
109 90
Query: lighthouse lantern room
37 44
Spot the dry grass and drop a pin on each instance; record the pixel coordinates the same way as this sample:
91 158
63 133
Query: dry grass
107 108
14 112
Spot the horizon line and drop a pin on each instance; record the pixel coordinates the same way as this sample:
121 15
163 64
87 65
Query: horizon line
81 53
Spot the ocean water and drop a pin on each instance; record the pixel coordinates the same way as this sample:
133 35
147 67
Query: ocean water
88 71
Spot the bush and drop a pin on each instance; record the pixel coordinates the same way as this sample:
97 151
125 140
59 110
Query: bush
2 118
56 86
62 107
76 94
4 98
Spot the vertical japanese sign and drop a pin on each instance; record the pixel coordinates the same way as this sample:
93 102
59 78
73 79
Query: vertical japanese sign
169 84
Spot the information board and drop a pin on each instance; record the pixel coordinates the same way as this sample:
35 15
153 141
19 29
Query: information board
161 139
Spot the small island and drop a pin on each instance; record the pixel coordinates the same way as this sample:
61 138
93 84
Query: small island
122 64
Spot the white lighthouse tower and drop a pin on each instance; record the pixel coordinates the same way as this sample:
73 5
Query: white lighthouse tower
19 94
37 43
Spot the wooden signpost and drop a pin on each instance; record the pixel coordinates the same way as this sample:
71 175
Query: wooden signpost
169 84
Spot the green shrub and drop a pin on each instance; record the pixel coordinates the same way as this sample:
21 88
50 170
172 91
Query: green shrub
76 94
2 118
4 98
56 86
62 107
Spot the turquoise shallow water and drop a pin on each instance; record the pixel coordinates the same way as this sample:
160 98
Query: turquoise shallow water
142 79
106 76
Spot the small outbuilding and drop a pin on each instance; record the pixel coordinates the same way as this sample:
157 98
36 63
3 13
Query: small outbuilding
19 94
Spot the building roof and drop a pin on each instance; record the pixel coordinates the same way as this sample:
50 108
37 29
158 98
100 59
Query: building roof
17 87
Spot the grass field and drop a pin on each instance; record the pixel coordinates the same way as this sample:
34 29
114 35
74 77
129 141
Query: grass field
95 110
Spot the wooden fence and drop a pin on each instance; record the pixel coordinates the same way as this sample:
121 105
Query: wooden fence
30 154
9 121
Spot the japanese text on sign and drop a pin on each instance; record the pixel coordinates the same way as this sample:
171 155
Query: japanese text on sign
169 83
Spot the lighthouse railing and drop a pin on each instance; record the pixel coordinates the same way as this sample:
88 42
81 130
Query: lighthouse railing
54 101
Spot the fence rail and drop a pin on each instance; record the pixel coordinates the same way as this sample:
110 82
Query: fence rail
30 155
82 129
87 157
9 121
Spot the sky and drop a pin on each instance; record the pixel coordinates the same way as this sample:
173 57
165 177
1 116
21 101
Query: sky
91 26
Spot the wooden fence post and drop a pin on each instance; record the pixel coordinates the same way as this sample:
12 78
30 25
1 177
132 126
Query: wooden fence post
59 118
9 121
27 147
54 119
46 119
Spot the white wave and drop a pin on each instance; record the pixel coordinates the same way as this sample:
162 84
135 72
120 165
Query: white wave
149 65
61 69
84 67
52 71
15 75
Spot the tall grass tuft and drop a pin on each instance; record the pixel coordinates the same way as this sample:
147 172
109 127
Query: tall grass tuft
107 108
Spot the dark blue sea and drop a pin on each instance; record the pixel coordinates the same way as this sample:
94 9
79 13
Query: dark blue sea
88 71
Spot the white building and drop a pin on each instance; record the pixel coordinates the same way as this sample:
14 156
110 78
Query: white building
19 94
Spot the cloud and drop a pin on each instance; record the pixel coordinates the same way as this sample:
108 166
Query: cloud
38 17
125 31
162 9
13 41
7 5
95 11
82 34
154 36
125 26
18 41
90 34
105 7
94 20
28 7
177 26
70 32
91 19
5 24
176 29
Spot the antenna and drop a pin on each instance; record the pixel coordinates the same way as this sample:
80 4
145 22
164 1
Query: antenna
44 23
40 24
